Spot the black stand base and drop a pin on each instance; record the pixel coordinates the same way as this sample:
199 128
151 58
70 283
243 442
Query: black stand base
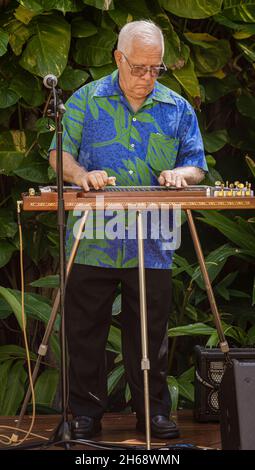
62 434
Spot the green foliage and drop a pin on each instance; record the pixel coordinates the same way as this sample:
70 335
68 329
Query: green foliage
210 55
196 9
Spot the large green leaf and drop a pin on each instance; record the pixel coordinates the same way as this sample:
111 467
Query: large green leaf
232 229
71 79
100 4
210 54
15 388
171 83
4 370
99 72
187 375
36 306
246 105
5 309
176 53
215 140
25 15
242 30
114 340
186 389
28 87
12 352
33 168
8 227
47 281
10 298
114 377
174 391
4 38
95 50
38 6
46 386
251 164
8 97
195 329
116 308
82 28
188 79
18 35
238 10
248 48
13 145
243 136
62 5
250 339
6 252
214 263
133 9
41 55
215 88
5 116
194 9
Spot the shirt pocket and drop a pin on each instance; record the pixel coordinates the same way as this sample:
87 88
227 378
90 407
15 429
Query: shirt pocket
161 152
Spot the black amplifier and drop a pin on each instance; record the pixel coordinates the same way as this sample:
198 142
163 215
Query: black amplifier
209 368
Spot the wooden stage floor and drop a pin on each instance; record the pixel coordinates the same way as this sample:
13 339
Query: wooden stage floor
120 429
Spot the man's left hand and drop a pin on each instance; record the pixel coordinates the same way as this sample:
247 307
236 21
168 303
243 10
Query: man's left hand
172 178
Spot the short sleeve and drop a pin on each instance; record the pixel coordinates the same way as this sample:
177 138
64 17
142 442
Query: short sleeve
191 148
73 121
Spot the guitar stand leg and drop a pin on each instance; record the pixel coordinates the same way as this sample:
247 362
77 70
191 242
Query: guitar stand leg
223 342
145 363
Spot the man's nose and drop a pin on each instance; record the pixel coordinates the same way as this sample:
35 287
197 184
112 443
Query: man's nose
147 75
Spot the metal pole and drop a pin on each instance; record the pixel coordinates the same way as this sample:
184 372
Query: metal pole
223 342
145 363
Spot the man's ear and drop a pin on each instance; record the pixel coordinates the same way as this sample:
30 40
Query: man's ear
118 57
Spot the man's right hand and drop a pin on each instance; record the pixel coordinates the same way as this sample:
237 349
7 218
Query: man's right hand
96 179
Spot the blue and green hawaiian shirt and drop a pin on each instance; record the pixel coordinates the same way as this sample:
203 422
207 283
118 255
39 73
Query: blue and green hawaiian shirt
102 132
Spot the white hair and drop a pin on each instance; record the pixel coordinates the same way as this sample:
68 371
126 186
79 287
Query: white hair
145 31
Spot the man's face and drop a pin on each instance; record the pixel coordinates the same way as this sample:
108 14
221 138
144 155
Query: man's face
140 54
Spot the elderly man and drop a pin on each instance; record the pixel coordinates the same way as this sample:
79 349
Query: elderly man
129 126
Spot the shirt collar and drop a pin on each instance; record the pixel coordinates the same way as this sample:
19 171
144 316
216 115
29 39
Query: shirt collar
109 86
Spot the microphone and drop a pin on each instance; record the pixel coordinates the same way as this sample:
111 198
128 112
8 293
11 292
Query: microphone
50 81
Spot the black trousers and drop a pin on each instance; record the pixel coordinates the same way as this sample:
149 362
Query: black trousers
88 304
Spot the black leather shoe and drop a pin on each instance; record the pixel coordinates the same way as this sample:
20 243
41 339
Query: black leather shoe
161 427
84 427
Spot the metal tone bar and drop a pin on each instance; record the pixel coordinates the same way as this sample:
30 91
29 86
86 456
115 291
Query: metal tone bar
42 350
145 363
223 342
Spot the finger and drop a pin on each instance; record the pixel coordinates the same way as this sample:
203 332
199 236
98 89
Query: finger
84 184
170 180
111 180
161 180
93 181
178 181
104 176
184 183
100 180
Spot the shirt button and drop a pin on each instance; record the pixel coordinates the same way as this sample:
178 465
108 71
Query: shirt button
130 172
134 119
132 145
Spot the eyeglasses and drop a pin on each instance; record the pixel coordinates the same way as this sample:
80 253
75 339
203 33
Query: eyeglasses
141 70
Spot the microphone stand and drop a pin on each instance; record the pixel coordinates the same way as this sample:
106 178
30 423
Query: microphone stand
56 110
